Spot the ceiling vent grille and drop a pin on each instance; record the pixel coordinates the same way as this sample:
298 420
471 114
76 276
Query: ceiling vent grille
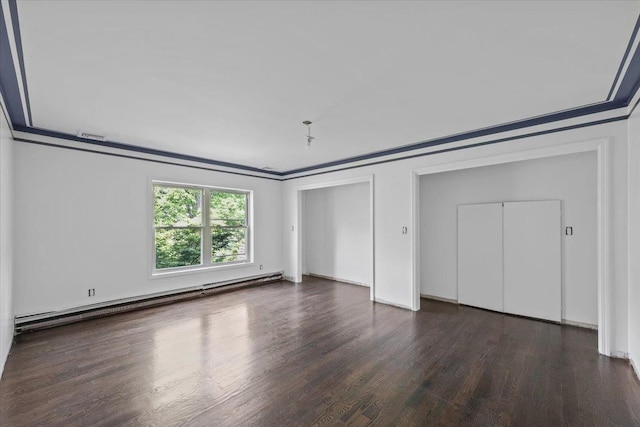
92 136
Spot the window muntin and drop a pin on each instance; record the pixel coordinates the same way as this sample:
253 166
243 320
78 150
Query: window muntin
186 236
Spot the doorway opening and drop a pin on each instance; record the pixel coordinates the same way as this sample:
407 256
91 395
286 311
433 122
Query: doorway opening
335 231
597 150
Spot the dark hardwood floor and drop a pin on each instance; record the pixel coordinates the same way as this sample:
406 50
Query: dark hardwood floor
319 353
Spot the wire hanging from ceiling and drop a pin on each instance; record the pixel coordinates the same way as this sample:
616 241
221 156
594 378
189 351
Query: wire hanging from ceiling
309 137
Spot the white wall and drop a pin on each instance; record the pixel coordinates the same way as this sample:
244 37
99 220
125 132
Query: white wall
84 221
6 239
634 239
570 178
337 232
393 194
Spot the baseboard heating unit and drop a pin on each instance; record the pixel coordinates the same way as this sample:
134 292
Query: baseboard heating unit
56 318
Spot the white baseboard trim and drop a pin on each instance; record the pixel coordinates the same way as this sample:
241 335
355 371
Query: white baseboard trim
634 368
337 279
564 321
435 298
381 301
620 354
579 324
5 357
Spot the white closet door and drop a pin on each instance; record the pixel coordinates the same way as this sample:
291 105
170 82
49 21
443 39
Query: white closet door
532 270
480 255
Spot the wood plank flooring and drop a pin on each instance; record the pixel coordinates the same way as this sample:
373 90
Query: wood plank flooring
317 353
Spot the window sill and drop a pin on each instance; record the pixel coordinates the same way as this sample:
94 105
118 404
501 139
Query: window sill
194 270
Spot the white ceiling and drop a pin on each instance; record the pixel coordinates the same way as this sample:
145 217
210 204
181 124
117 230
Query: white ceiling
233 81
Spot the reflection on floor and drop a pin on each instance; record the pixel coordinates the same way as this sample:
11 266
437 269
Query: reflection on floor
314 353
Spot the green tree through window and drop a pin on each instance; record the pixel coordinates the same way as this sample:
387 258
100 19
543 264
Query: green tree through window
178 226
228 226
186 236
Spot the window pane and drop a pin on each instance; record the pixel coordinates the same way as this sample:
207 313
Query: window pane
178 247
177 207
228 206
228 217
228 244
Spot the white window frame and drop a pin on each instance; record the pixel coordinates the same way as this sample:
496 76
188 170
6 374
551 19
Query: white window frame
206 263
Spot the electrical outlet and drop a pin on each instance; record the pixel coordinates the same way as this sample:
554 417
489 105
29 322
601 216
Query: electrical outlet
92 292
261 266
405 230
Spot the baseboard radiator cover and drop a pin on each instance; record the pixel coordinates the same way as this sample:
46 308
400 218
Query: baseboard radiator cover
52 319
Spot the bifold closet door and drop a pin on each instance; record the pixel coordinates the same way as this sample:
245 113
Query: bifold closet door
532 269
480 255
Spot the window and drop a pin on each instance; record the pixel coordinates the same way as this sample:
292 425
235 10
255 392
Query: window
196 227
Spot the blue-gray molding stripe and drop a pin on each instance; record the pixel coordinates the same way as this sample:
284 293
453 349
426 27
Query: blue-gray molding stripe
540 120
137 148
145 159
8 78
624 57
630 81
13 7
430 153
477 144
9 90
